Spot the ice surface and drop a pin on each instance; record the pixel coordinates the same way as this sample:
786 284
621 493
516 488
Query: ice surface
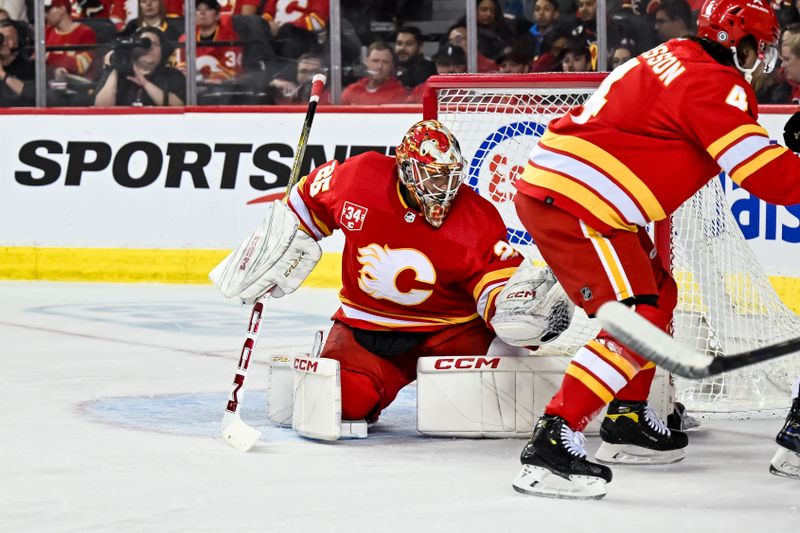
112 397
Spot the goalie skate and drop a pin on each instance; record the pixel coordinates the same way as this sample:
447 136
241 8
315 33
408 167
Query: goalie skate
633 434
554 464
785 463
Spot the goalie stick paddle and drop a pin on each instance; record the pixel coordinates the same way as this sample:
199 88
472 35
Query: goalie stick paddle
640 335
234 430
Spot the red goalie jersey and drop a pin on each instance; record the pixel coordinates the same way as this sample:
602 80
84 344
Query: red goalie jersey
398 272
621 161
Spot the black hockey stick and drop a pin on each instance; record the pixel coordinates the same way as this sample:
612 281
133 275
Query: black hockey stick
234 430
640 335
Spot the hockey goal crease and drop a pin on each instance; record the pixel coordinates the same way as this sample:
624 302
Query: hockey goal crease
726 302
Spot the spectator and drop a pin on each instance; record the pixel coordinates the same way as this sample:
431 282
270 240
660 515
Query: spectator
545 17
285 92
102 9
379 86
576 57
494 33
787 12
450 59
298 27
153 14
214 63
630 29
147 80
457 36
787 90
552 45
63 31
619 56
586 30
17 72
4 14
673 19
412 66
514 60
15 9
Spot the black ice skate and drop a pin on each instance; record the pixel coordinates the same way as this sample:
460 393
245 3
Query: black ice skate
786 462
632 433
554 464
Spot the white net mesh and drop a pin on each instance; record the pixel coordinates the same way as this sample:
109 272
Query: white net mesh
726 303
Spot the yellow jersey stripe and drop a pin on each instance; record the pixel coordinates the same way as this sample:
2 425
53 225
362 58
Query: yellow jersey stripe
622 364
715 148
491 277
611 265
577 193
610 166
590 382
744 171
489 301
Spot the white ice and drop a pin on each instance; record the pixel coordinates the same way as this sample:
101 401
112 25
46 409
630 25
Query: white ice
112 396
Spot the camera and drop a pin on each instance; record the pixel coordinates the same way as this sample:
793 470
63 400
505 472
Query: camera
126 50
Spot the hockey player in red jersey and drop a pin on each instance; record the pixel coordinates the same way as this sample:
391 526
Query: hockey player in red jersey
658 128
424 265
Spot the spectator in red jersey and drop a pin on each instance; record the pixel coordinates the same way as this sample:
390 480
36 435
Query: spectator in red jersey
457 36
63 31
17 72
153 14
379 86
147 81
673 20
214 63
113 10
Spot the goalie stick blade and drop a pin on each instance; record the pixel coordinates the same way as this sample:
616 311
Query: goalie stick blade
238 434
640 335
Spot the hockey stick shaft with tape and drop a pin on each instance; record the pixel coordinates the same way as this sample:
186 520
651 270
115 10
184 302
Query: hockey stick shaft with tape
234 430
638 334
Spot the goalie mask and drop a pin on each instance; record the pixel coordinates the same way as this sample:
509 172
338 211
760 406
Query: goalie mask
431 167
729 22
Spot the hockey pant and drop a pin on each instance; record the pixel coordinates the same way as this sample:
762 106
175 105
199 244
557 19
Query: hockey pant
370 382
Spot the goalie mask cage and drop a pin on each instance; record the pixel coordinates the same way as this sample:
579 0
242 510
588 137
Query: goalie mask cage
726 303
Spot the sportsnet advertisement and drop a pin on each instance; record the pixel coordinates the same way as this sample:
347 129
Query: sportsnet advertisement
192 183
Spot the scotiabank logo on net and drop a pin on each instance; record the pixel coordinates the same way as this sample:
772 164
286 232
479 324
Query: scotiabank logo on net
139 164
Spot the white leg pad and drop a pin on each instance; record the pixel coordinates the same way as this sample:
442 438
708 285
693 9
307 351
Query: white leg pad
317 412
481 396
280 388
484 396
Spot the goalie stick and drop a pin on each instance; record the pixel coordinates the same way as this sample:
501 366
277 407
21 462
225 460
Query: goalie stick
234 430
640 335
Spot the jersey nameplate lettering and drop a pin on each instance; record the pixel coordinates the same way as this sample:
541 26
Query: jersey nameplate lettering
664 64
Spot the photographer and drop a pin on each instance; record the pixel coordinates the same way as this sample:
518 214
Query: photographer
137 74
17 72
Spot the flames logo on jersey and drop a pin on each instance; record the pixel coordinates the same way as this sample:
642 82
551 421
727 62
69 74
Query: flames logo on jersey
382 266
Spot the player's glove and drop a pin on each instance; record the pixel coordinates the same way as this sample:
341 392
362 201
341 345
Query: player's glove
791 133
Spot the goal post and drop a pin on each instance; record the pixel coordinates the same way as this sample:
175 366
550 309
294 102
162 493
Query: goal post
726 302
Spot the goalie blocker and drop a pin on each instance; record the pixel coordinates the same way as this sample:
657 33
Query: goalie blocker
480 396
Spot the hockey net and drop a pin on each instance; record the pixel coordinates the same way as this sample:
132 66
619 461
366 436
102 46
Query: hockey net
726 302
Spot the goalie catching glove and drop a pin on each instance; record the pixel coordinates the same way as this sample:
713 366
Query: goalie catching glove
532 309
275 259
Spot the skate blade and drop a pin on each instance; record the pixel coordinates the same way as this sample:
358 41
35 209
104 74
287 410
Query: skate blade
627 454
785 463
539 481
